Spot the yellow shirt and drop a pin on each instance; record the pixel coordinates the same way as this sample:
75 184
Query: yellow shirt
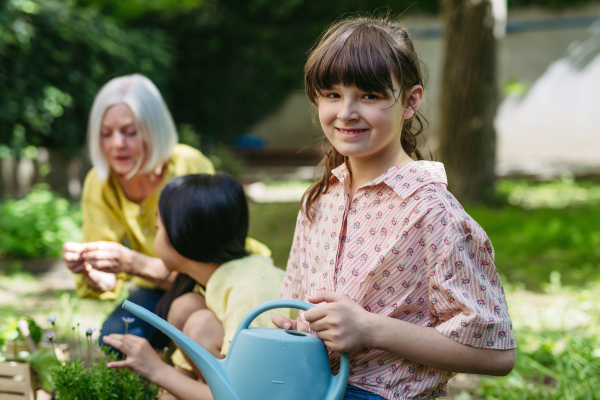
234 289
108 215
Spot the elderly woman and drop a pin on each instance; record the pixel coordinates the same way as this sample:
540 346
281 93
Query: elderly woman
133 147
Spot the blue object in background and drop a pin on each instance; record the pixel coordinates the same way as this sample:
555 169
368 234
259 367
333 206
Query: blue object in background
249 141
263 363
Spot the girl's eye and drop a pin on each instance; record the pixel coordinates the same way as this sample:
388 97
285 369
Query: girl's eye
131 132
333 95
105 134
370 96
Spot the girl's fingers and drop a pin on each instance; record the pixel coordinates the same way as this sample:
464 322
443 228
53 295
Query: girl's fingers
119 364
282 322
327 296
118 342
316 313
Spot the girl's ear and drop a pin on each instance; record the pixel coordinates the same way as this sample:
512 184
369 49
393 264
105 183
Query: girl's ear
413 101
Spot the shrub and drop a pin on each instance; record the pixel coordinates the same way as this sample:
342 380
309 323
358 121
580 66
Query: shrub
38 225
54 57
73 381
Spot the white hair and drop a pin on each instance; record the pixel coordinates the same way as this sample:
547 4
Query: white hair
153 120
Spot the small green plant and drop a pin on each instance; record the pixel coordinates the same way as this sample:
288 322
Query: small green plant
38 225
73 380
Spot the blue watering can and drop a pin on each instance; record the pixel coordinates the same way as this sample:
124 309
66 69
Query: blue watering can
262 363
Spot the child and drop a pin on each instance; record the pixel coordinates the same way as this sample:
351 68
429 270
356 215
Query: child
202 228
405 278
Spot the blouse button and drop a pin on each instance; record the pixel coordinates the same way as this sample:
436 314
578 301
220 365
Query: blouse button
145 231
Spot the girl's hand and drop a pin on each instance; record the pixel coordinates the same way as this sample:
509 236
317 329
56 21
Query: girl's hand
98 280
286 323
341 323
72 256
141 357
110 257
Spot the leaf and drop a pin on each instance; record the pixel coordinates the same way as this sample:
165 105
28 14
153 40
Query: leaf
41 361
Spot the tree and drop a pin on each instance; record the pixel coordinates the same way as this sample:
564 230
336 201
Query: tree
469 98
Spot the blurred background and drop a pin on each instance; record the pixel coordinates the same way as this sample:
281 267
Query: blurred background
231 73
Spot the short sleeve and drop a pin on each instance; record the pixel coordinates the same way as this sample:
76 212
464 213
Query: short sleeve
292 287
467 296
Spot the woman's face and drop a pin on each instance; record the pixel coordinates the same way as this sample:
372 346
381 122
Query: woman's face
165 251
119 139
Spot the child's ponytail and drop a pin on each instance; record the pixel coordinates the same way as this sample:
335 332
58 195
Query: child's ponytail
366 53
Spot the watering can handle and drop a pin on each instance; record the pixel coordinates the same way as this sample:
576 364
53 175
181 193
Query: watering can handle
337 387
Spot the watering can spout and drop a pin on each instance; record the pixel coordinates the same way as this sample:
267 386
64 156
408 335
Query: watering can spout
211 368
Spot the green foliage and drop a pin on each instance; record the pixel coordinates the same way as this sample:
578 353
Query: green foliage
54 58
529 244
562 193
224 159
42 362
37 226
273 224
73 381
558 350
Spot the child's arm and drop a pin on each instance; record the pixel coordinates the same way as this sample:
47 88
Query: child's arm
143 360
345 326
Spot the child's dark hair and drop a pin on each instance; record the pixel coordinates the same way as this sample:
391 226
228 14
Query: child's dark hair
206 219
366 53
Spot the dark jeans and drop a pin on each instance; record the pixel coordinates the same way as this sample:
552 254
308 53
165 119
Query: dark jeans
146 298
354 393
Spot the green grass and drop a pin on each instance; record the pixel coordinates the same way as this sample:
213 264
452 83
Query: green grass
530 244
273 224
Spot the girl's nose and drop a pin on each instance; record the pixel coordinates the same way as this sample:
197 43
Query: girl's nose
348 112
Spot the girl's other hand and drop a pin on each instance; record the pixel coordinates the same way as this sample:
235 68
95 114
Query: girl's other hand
110 257
341 323
72 256
141 357
98 280
286 323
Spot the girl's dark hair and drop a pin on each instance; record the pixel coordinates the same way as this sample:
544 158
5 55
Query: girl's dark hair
366 53
206 219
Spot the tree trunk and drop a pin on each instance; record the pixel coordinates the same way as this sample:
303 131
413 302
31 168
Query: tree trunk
469 99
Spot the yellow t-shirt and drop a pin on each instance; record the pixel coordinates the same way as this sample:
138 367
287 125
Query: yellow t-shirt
234 289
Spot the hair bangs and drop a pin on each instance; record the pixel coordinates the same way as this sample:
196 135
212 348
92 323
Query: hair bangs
362 58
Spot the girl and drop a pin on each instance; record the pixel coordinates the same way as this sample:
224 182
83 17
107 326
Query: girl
405 278
202 227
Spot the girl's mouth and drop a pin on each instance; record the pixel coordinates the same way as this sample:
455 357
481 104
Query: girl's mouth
351 132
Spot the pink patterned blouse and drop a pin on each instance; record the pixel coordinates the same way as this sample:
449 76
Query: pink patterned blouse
405 248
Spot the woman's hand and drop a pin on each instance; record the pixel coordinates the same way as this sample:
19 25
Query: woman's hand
98 280
286 323
341 323
141 357
110 257
72 256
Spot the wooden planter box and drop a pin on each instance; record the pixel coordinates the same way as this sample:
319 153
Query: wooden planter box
15 381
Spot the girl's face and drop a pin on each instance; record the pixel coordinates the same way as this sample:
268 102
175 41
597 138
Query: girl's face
119 139
365 125
170 257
